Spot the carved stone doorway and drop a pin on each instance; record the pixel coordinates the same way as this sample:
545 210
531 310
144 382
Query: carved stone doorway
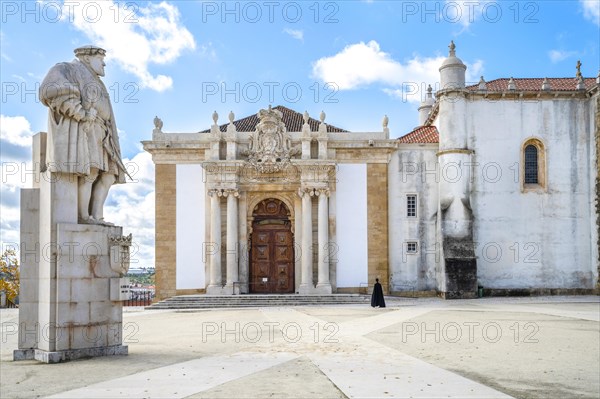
272 249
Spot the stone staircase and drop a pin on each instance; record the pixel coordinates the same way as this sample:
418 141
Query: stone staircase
244 301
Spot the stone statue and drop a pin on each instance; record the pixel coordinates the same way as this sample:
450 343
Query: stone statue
82 134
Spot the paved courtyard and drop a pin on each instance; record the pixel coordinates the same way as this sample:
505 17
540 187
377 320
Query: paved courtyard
544 347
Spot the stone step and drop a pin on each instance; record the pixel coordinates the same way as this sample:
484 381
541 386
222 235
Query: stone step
217 301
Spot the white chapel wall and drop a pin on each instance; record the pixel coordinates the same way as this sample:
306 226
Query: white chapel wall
190 226
413 171
351 225
538 239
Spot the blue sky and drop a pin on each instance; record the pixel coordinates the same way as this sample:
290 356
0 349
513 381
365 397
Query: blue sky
181 60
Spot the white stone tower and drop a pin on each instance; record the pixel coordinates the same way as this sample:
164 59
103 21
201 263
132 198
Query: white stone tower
455 218
426 106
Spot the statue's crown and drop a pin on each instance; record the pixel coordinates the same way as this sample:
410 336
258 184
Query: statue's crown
272 115
120 240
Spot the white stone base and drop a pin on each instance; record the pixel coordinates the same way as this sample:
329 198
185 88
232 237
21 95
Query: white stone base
233 289
66 355
323 289
217 290
306 289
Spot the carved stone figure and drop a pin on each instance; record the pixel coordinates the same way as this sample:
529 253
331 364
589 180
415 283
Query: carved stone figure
82 134
270 145
158 123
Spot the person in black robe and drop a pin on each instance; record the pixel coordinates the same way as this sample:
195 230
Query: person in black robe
377 300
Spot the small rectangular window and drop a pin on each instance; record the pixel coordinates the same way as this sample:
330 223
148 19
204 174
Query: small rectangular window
411 206
411 247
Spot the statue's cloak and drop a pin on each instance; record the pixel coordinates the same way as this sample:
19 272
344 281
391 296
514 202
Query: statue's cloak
69 90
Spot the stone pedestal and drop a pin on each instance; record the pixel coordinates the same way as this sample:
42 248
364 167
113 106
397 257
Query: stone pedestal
67 312
75 314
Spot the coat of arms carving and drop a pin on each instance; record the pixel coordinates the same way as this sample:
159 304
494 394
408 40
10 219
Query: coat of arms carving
270 145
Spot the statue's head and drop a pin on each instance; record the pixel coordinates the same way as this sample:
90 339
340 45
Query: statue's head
92 56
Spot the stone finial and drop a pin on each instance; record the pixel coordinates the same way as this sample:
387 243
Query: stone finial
385 122
580 83
322 117
578 67
305 117
452 47
231 135
429 91
158 123
546 84
511 84
215 117
598 78
482 84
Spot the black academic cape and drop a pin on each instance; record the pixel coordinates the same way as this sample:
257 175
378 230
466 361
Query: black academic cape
377 297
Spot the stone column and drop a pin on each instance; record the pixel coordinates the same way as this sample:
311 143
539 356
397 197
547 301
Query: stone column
214 248
232 240
306 286
323 285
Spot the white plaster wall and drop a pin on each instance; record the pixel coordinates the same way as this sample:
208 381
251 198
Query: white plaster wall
594 171
533 239
412 170
351 217
190 227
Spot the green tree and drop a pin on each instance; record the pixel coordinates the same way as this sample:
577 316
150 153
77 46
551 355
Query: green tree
9 274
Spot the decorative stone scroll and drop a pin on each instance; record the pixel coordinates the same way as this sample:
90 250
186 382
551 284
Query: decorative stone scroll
270 145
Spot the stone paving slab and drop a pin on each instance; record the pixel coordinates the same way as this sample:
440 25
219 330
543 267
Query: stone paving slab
182 379
348 351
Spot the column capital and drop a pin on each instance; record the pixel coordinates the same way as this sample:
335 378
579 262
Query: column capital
306 191
324 191
215 192
231 192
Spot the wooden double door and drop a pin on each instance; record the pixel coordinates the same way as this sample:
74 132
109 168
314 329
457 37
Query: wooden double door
272 256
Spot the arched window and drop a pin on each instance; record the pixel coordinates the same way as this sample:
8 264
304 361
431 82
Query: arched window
533 171
531 164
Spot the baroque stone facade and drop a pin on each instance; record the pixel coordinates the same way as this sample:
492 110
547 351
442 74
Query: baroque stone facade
490 191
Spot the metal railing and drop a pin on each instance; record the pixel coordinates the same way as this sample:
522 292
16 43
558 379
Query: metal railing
10 304
140 298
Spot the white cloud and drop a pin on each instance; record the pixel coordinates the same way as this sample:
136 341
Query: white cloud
15 130
362 64
358 65
131 205
134 37
296 34
591 10
559 55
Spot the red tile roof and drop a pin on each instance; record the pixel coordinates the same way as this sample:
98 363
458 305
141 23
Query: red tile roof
535 84
293 121
421 135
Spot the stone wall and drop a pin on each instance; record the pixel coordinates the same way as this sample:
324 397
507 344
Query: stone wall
166 216
377 222
412 170
538 237
597 136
